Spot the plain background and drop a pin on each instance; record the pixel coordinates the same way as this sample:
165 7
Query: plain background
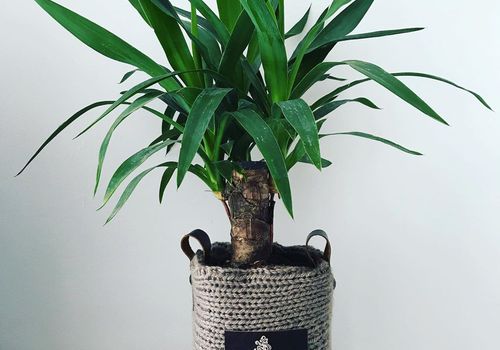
416 239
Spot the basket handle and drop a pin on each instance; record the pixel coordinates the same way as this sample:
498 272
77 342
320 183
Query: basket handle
327 253
202 238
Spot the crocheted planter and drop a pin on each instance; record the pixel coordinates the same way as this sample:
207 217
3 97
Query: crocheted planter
294 292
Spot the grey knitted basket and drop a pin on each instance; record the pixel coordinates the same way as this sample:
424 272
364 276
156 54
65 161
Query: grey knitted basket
269 299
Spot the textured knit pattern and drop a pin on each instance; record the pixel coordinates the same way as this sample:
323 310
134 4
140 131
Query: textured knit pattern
262 299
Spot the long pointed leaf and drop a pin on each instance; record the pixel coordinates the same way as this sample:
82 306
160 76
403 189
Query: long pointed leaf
395 86
300 116
376 138
202 112
134 106
329 107
172 40
272 48
104 41
299 26
268 146
229 11
63 126
131 164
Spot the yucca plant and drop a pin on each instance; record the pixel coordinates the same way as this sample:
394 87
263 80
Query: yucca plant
231 87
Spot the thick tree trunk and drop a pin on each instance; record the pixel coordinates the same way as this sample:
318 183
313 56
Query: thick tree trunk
250 199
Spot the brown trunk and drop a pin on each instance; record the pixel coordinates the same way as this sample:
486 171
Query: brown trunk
251 209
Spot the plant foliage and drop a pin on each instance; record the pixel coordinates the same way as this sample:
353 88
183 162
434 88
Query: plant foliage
232 87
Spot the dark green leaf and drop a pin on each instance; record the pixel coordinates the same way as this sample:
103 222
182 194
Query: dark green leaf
128 75
136 105
63 126
329 107
165 179
104 41
376 138
131 164
268 146
299 26
197 123
229 11
395 86
272 48
327 40
172 40
301 118
128 94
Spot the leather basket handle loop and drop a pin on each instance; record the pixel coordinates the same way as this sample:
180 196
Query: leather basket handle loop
202 237
327 253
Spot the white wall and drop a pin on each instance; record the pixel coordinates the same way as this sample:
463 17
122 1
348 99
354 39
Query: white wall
416 240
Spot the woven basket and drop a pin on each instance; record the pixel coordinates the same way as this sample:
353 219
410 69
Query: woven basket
270 299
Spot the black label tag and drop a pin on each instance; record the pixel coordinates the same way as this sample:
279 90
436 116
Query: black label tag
283 340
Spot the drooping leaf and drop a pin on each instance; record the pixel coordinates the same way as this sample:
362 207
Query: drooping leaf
197 123
433 77
63 126
272 48
128 94
129 190
299 115
299 26
104 41
268 146
133 107
329 107
394 85
130 165
376 138
165 179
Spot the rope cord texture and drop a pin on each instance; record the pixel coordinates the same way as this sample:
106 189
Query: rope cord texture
271 298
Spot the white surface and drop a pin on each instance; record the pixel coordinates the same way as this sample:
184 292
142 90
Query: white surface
416 240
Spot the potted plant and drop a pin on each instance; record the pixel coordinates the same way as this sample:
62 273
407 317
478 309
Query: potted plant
235 117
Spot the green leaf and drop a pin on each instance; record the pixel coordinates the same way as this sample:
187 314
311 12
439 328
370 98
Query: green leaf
136 105
376 138
128 94
165 179
345 22
329 107
330 39
127 75
272 48
104 41
300 116
299 26
238 42
219 27
172 40
340 26
268 146
63 126
316 74
325 163
130 165
128 192
433 77
395 86
197 123
229 11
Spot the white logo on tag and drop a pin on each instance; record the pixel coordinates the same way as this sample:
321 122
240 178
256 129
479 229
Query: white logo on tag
263 344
